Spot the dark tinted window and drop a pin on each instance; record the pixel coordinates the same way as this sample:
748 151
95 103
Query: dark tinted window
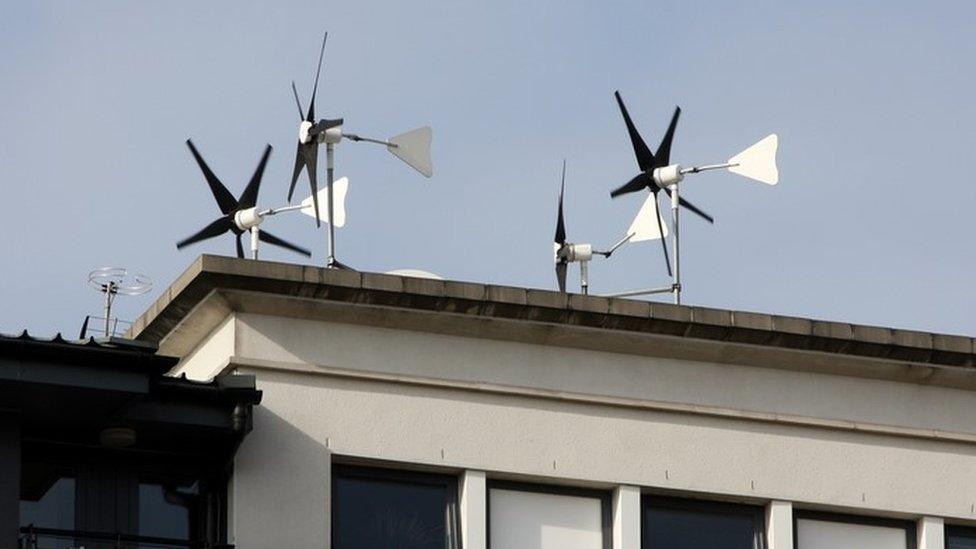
958 537
680 524
388 509
164 511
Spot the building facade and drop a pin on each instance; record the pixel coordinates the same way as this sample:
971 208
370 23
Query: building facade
405 412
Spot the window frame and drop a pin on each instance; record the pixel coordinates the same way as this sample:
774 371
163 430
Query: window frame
606 504
757 512
364 472
908 526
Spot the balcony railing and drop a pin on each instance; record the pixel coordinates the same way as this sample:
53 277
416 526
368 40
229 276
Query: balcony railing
32 537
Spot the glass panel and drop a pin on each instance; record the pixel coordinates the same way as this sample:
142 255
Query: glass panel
960 538
535 520
687 527
54 508
381 514
822 534
162 514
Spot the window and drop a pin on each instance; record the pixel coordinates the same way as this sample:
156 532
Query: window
77 497
958 537
525 516
670 523
830 531
380 509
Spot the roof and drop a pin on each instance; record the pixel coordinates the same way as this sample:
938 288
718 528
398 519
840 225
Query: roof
115 381
115 351
224 284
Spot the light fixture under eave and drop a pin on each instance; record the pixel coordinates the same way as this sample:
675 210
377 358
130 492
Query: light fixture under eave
117 437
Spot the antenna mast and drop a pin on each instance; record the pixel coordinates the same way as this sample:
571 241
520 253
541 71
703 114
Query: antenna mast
115 281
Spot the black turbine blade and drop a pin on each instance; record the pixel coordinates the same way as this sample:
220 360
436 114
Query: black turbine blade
311 105
299 164
645 159
240 248
224 199
250 195
307 157
684 203
560 223
265 236
638 182
561 276
217 228
660 229
84 328
311 154
664 150
301 111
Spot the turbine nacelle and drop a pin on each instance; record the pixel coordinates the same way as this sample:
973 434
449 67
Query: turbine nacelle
247 219
667 176
572 253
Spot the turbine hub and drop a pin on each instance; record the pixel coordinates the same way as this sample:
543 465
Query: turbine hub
303 137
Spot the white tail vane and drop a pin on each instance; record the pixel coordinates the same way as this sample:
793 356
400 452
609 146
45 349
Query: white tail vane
413 148
339 206
758 161
645 225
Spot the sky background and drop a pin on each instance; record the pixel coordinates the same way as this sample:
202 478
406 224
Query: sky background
873 102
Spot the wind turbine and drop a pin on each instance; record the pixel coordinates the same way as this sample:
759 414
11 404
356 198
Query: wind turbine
412 147
758 162
566 252
240 215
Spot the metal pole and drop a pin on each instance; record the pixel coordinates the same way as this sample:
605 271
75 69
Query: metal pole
675 200
254 241
109 292
585 276
330 171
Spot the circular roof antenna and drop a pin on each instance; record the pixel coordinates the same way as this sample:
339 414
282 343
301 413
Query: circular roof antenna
114 281
119 280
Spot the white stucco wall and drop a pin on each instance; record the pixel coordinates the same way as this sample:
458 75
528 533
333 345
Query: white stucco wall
337 391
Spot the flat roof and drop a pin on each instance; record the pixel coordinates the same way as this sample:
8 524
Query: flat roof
226 284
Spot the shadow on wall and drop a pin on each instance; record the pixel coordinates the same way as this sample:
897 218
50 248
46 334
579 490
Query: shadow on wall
280 495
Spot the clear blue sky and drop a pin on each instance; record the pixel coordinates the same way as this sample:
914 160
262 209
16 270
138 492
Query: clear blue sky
873 101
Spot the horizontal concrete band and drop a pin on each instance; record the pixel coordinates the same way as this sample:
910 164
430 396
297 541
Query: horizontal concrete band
212 273
580 398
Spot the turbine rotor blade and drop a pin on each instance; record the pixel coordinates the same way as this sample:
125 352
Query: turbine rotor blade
645 159
691 207
240 248
664 150
216 228
660 227
265 236
636 183
250 195
315 88
561 276
310 154
299 164
560 222
301 112
225 200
